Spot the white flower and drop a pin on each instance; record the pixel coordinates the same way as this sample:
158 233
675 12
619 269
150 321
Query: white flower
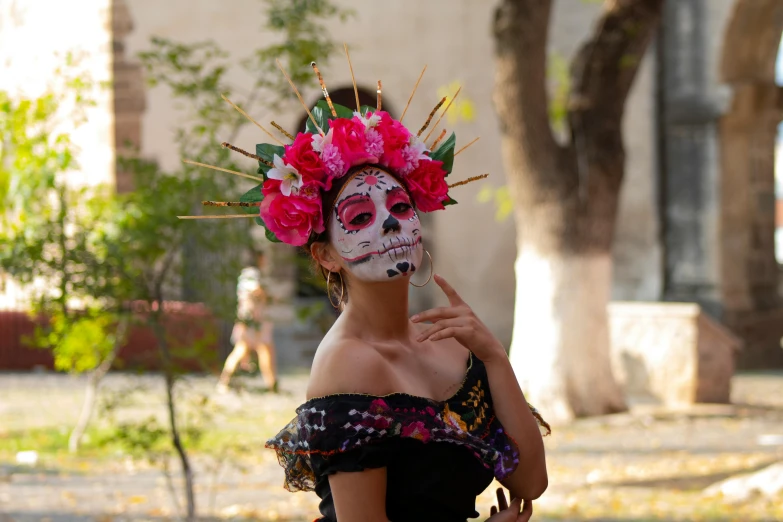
412 154
370 122
318 143
291 180
417 149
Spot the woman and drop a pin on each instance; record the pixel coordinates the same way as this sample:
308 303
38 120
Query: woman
407 418
253 331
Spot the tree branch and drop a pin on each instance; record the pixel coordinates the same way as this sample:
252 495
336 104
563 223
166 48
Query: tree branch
605 67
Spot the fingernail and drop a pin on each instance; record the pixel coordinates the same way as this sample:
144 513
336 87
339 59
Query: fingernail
415 318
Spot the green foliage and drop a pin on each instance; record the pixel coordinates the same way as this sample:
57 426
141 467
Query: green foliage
462 109
54 232
268 152
445 153
79 343
321 115
342 111
500 197
304 32
146 438
559 89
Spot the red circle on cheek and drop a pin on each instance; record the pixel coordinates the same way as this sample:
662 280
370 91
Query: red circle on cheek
371 180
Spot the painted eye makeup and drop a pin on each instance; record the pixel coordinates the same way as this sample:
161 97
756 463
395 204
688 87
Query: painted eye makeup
356 213
399 204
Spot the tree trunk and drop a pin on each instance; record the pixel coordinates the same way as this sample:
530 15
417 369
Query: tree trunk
560 348
170 381
566 199
176 441
97 375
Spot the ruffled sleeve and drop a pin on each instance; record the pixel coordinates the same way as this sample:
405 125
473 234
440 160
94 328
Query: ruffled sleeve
370 456
321 439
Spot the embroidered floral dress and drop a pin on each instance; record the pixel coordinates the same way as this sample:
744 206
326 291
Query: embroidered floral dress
438 455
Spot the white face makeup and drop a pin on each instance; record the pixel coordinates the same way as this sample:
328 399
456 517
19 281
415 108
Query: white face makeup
375 229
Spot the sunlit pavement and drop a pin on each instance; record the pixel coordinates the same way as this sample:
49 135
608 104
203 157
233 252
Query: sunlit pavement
646 465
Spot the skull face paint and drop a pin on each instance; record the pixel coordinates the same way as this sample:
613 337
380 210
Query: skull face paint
375 229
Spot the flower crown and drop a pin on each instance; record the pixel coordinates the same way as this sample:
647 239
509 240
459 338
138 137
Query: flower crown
336 139
292 191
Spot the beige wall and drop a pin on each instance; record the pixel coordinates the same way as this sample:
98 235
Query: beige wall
391 41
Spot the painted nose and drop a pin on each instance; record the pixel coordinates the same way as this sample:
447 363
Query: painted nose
391 225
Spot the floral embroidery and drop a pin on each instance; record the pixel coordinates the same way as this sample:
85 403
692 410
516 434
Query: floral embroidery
453 420
479 406
416 430
341 422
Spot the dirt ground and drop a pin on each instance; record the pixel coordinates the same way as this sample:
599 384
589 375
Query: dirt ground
647 465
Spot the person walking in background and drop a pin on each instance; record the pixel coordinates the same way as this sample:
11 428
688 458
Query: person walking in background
252 330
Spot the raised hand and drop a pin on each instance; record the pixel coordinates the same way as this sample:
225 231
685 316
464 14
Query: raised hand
505 513
458 321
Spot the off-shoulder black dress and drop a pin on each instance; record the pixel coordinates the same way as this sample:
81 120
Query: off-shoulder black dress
438 455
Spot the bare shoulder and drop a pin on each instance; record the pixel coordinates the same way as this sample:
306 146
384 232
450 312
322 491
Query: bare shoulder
348 366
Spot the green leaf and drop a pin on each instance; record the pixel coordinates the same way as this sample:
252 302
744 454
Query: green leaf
445 153
321 114
254 195
450 201
365 109
450 143
268 151
341 110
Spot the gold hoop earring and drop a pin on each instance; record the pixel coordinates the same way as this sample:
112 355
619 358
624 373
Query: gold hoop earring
430 277
329 291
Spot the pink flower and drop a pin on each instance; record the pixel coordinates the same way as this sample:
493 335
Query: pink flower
395 138
304 159
378 406
427 184
333 162
416 430
349 137
374 144
414 152
291 218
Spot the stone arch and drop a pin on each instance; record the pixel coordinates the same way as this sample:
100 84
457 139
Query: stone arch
748 132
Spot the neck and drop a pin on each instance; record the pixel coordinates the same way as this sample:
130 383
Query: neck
379 310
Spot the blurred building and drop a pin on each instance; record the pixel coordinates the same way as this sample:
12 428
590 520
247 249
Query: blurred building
697 214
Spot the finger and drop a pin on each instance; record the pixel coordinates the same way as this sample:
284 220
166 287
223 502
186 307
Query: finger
493 511
436 314
441 325
452 294
502 502
527 511
451 331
